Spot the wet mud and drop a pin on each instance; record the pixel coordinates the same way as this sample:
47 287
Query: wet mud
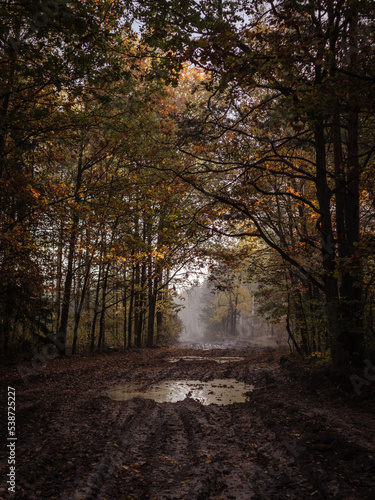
218 391
294 437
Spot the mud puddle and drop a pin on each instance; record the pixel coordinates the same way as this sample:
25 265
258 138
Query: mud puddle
218 359
219 391
298 436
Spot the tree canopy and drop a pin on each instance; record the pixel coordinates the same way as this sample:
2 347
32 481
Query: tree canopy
132 133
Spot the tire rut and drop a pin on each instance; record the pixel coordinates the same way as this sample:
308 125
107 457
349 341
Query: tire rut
283 443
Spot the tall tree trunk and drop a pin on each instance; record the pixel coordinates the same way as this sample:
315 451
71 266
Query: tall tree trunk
142 304
131 306
80 306
351 333
304 327
328 244
101 339
351 289
96 306
152 291
152 297
137 304
62 333
159 311
59 275
289 330
141 280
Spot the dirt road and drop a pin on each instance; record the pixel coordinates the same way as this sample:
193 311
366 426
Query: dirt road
297 437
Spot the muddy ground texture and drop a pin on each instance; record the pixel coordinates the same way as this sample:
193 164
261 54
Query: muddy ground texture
300 435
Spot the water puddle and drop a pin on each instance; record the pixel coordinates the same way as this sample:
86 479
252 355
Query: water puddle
219 391
219 359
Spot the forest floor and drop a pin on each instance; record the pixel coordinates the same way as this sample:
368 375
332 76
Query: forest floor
300 435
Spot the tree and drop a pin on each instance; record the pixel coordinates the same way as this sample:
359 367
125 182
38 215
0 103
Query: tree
47 50
291 103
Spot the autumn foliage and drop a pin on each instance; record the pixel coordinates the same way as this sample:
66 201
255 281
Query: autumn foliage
132 134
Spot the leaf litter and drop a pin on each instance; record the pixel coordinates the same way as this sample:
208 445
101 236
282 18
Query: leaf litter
295 436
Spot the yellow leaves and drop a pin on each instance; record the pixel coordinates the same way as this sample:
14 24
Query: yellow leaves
158 254
32 191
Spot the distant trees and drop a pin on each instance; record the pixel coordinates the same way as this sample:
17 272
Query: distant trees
233 302
229 303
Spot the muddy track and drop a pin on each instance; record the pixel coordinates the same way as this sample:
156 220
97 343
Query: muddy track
291 440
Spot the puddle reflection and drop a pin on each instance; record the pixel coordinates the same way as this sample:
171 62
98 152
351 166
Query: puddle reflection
218 391
220 359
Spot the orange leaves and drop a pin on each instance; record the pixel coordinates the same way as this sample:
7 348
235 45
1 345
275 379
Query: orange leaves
34 194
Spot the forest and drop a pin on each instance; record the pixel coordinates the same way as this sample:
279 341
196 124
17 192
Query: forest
187 264
143 141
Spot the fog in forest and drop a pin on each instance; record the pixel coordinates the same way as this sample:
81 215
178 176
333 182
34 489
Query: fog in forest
190 302
204 317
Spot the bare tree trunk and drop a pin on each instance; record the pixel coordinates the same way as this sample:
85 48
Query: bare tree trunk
131 308
289 330
101 340
62 332
137 305
328 244
59 275
80 306
159 311
96 308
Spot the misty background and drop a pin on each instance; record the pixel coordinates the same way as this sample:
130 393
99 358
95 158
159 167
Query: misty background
209 314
